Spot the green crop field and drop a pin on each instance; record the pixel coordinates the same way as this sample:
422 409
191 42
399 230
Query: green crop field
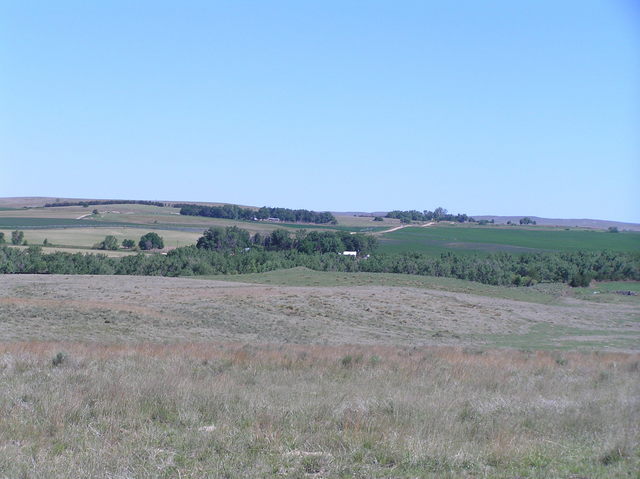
478 240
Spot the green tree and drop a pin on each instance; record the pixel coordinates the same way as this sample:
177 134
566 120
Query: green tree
2 240
227 239
151 241
17 237
128 243
109 242
613 229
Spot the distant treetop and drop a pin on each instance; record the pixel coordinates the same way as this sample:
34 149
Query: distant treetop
439 214
235 212
104 202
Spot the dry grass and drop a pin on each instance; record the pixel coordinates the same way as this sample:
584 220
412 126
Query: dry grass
149 377
114 309
233 410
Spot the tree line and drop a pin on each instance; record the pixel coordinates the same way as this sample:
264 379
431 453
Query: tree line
439 214
235 212
233 240
88 203
574 268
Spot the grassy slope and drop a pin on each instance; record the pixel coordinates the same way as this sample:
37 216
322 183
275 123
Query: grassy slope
486 239
301 276
362 309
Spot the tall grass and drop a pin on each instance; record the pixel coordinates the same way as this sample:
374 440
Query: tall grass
232 410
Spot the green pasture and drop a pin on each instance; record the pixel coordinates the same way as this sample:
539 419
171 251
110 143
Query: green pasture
487 239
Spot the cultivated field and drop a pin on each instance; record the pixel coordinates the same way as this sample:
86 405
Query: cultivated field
467 239
75 226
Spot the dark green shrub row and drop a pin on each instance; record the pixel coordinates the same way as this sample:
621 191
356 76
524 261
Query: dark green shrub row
575 268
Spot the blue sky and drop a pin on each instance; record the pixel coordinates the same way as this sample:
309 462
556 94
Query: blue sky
498 107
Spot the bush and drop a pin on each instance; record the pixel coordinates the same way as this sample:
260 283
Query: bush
151 241
109 243
58 359
128 243
580 280
17 237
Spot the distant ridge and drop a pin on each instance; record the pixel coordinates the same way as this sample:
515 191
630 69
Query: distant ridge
567 222
38 201
502 220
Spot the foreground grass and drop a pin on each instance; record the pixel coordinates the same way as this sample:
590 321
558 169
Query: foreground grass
225 410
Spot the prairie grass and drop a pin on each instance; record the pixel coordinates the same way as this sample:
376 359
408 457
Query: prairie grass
231 410
135 309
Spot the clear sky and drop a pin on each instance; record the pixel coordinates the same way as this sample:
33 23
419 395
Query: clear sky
484 107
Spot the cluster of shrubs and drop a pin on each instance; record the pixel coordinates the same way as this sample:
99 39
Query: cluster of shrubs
147 242
234 212
17 238
439 214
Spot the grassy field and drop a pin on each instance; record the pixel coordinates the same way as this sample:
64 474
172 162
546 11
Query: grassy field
303 374
87 237
306 374
437 312
484 239
235 411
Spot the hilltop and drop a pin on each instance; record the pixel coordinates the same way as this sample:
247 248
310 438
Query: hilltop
602 224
